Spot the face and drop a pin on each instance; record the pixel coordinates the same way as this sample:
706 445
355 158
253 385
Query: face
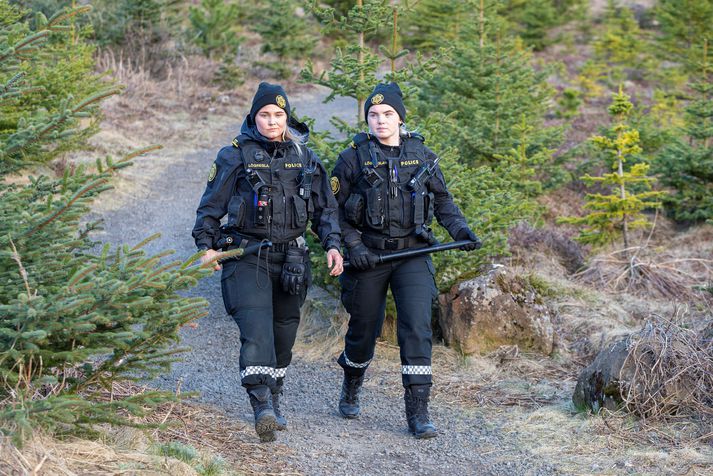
384 121
271 121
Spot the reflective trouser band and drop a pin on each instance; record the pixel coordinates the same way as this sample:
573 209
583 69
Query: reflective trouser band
354 364
416 369
257 370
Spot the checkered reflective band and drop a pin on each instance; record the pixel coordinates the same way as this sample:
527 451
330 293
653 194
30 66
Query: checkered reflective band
274 373
354 364
280 373
416 369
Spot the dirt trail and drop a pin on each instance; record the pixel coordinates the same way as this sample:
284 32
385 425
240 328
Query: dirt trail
161 194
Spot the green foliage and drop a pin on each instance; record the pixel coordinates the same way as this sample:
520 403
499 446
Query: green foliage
215 27
431 24
43 97
621 50
685 164
569 103
284 33
685 26
72 322
619 212
534 19
487 196
489 86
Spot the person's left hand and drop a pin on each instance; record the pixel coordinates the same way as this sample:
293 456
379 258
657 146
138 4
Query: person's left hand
335 262
467 234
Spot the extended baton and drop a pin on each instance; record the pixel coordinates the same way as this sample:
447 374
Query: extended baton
410 253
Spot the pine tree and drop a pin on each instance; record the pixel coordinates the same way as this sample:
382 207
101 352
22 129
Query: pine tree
215 27
686 163
686 25
619 212
72 321
284 33
489 85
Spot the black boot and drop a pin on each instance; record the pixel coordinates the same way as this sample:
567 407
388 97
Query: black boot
276 394
419 423
349 399
265 420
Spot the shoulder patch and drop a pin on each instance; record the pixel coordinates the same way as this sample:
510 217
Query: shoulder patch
235 143
334 182
213 172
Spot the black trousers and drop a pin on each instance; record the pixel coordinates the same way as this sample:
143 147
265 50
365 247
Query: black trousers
266 315
364 297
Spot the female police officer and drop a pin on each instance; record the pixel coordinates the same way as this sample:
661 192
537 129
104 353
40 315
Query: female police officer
268 184
388 186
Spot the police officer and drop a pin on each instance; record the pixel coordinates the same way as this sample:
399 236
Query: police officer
269 185
388 186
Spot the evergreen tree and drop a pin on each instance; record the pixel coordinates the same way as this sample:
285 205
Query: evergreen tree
686 163
619 212
432 24
64 88
285 34
72 322
215 27
621 50
685 25
489 85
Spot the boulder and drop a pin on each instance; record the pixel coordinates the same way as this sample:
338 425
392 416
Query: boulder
495 309
322 316
598 385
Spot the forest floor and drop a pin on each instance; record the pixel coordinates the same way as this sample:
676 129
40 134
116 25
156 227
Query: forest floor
505 413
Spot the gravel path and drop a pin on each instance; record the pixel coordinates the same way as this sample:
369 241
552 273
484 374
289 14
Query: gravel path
162 196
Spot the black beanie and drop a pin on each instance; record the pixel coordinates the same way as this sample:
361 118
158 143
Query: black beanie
386 94
269 94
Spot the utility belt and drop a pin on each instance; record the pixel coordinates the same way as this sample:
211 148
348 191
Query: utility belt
231 240
390 244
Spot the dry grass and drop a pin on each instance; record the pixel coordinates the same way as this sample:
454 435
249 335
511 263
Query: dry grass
672 373
123 450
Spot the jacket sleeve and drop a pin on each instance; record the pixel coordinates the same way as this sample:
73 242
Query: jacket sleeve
325 219
345 176
214 202
446 211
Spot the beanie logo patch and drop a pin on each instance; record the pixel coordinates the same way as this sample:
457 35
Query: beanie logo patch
280 101
377 99
334 182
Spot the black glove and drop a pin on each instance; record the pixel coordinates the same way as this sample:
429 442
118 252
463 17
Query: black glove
361 258
467 234
293 271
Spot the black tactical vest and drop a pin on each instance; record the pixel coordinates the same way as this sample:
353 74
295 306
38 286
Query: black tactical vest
385 199
272 200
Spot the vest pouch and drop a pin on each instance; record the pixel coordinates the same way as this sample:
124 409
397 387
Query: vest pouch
354 209
375 208
300 212
236 212
429 208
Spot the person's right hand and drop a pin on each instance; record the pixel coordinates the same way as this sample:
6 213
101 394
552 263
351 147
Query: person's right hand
361 258
209 255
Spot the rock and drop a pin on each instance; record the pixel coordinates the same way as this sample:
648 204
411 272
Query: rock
598 385
498 308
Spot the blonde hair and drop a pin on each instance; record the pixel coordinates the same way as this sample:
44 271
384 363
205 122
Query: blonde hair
298 139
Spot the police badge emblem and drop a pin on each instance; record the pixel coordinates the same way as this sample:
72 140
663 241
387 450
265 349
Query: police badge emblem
213 171
280 101
334 182
377 99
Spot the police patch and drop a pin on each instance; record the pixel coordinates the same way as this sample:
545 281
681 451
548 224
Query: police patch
280 101
213 171
377 99
334 182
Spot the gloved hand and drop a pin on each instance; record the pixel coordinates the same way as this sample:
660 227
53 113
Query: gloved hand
361 258
293 272
466 233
